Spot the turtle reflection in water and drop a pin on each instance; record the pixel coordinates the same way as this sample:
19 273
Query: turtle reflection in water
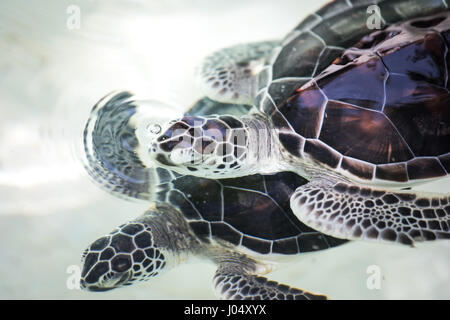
344 121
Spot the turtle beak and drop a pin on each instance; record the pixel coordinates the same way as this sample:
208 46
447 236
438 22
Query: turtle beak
109 284
123 279
97 289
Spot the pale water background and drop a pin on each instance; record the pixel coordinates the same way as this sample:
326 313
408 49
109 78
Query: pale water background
50 76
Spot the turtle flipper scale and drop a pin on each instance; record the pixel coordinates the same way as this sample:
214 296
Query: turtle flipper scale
233 282
361 213
110 143
235 74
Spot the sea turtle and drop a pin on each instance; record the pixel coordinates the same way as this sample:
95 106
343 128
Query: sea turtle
363 115
236 222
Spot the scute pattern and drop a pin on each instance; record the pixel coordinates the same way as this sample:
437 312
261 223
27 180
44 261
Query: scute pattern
427 132
362 134
345 84
384 101
358 168
393 11
305 111
253 212
334 32
286 65
321 27
392 171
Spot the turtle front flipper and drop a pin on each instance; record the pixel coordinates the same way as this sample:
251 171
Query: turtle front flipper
347 211
114 137
233 281
235 74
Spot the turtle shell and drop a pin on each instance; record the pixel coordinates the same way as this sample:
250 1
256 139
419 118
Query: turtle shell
380 111
252 211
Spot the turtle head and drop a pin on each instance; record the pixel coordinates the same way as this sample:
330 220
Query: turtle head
127 255
213 147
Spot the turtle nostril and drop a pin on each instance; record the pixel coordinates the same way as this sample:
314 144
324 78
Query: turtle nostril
121 263
121 266
153 148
